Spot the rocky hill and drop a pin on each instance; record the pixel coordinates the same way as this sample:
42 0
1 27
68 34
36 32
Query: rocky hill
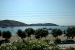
17 23
11 23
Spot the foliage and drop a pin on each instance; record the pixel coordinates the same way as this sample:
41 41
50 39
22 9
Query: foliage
6 34
44 33
28 45
21 33
7 47
56 32
70 32
70 48
0 32
57 41
41 33
29 31
56 48
32 45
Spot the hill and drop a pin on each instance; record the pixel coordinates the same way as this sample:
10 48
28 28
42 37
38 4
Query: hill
17 23
44 24
11 23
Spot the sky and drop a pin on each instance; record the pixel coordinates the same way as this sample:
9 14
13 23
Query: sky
61 12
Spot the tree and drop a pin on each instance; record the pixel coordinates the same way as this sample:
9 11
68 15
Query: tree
73 32
56 33
37 33
21 34
6 35
44 33
70 32
41 33
29 32
0 32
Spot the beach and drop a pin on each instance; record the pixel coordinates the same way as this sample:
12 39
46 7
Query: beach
15 37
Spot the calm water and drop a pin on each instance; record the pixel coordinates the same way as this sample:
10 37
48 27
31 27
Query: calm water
14 29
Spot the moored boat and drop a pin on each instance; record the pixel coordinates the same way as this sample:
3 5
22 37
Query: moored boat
3 27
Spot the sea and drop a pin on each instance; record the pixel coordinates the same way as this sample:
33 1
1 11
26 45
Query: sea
14 29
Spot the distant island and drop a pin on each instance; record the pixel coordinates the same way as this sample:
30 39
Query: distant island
17 23
44 24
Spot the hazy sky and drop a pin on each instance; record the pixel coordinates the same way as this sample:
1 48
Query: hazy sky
61 12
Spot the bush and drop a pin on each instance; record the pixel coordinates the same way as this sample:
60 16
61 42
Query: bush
7 47
32 45
47 41
57 41
70 48
28 45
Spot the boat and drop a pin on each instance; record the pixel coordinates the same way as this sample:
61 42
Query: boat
44 28
3 27
49 29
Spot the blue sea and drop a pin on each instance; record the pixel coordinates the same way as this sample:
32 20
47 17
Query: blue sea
14 29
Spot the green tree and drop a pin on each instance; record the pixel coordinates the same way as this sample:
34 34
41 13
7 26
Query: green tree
21 34
29 32
38 33
41 33
0 32
56 33
73 32
44 33
70 32
6 35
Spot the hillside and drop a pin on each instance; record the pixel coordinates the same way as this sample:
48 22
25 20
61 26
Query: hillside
11 23
17 23
44 24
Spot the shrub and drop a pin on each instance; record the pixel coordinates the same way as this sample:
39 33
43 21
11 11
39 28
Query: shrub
32 45
7 47
28 45
70 48
57 41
